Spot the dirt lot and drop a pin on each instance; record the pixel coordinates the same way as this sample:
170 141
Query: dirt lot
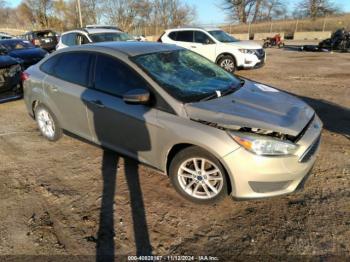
51 193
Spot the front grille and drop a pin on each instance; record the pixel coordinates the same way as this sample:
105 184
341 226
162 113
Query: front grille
260 53
310 151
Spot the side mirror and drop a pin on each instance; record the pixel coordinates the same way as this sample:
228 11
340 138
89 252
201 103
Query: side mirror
207 42
137 96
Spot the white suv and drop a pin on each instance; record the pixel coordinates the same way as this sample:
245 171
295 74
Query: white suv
92 34
217 46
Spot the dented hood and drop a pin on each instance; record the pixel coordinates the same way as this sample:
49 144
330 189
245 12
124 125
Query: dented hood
255 106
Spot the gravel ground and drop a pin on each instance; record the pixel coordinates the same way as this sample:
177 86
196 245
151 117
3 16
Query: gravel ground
51 193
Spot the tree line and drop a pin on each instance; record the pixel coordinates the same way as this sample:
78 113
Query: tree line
62 15
244 11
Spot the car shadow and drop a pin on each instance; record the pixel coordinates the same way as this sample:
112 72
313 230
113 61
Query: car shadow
335 118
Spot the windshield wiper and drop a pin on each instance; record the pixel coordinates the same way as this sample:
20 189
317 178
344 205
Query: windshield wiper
229 90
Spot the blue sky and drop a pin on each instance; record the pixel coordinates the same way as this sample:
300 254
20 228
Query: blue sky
209 12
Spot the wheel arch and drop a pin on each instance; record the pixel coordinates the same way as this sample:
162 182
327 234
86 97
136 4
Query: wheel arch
175 149
225 54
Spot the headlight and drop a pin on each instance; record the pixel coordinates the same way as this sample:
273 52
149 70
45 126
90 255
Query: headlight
14 70
264 146
247 51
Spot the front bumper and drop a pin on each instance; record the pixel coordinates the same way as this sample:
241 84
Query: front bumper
254 176
256 60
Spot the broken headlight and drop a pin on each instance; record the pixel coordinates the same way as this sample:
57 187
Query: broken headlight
264 145
14 70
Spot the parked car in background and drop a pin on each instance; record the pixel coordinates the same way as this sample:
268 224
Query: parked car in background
92 34
175 110
46 39
10 84
5 36
218 46
23 51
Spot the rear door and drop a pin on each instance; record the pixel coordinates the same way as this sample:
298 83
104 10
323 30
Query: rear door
184 39
67 80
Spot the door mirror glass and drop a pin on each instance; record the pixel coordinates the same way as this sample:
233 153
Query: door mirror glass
137 96
208 42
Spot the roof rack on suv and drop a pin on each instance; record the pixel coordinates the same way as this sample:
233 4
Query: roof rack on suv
103 27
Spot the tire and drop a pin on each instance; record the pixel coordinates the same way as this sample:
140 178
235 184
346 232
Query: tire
228 63
198 186
266 45
47 123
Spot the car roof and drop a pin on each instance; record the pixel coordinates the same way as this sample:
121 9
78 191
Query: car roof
41 31
192 28
134 48
93 31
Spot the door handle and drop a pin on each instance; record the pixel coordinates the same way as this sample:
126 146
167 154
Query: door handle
193 46
54 89
97 103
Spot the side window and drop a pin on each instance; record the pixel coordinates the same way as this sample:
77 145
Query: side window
185 36
200 37
114 77
73 67
172 35
48 66
69 39
82 39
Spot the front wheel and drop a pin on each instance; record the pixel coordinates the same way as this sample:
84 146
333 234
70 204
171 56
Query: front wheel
228 63
198 176
47 123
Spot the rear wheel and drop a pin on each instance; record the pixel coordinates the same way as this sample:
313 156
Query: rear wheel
47 123
198 176
228 63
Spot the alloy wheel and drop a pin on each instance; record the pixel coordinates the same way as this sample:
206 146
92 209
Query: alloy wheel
46 123
200 178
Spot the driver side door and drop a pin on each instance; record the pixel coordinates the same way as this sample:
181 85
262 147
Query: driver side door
130 129
204 45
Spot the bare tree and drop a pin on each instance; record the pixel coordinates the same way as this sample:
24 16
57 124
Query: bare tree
244 11
171 13
315 8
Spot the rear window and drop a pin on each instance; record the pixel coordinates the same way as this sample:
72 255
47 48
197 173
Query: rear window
49 64
184 36
173 35
69 39
105 37
70 67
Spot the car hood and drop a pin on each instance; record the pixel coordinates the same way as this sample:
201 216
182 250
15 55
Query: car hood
28 53
254 106
7 61
245 44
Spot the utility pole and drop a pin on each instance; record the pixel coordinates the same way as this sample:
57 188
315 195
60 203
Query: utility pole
79 10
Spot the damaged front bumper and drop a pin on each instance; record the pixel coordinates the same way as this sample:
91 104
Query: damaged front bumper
253 176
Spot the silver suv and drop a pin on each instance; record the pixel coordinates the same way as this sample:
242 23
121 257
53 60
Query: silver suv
172 109
92 34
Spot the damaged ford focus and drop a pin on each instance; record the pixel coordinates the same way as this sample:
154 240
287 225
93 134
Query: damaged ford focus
212 133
